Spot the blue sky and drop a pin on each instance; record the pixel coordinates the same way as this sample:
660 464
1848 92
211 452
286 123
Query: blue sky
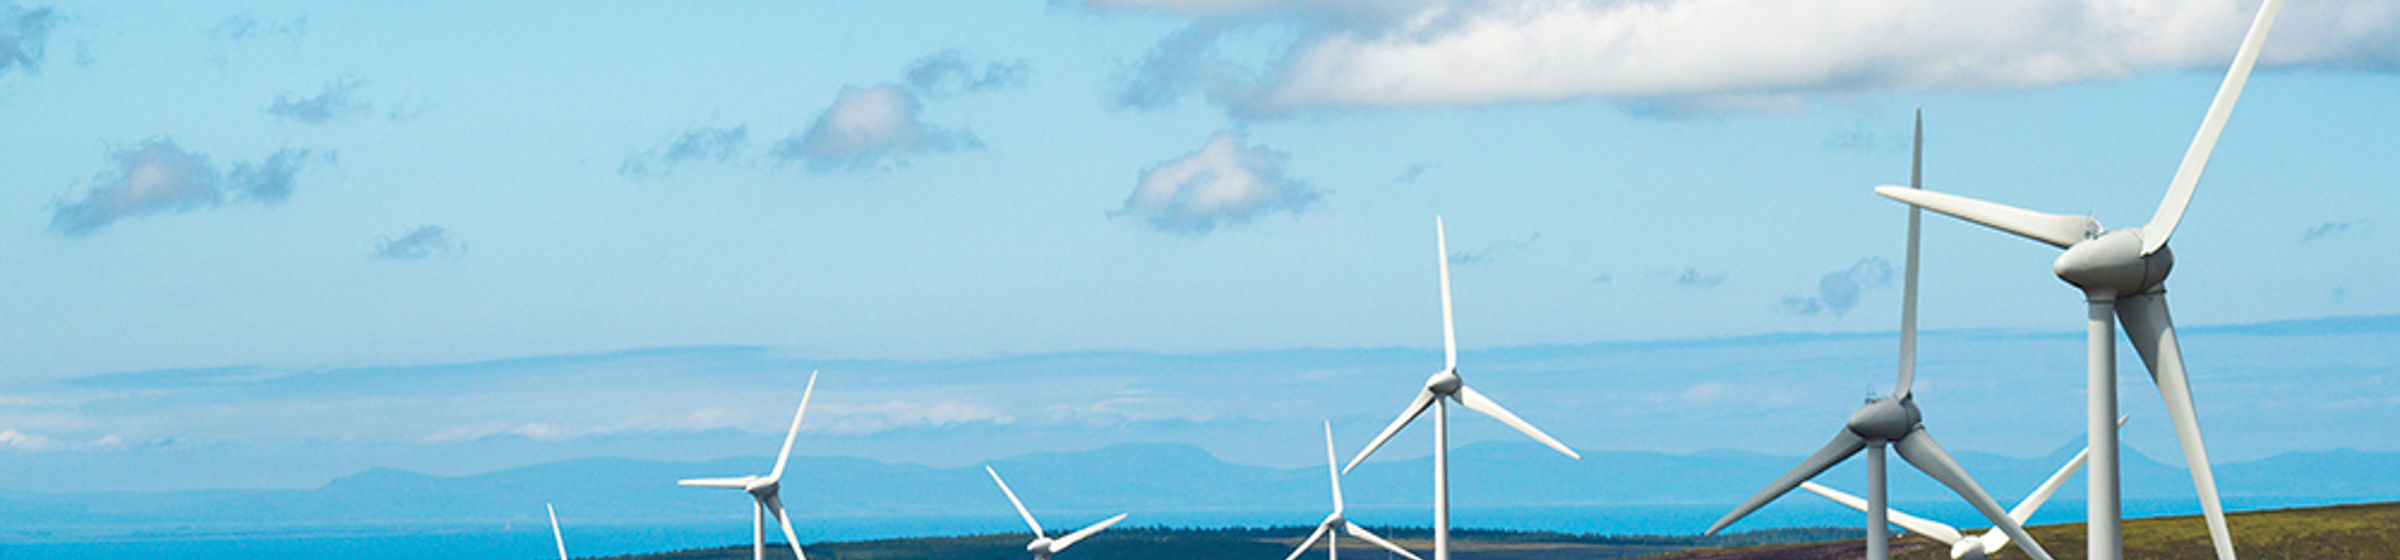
308 188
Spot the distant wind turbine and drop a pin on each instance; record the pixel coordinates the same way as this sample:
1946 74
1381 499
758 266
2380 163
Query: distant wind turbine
2123 274
766 491
1963 547
1892 420
1043 546
1445 386
1335 522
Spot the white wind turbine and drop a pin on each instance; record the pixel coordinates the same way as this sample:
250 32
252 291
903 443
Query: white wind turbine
2122 274
1443 387
554 534
1043 546
766 491
1892 420
1335 522
1963 547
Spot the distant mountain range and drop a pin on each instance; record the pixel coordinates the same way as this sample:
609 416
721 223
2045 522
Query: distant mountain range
1136 477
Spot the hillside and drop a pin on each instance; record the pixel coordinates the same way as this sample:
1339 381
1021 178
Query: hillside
2363 532
1266 543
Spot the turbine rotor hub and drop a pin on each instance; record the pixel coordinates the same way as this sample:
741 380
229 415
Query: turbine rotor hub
2113 264
1039 547
1445 383
1885 419
1968 549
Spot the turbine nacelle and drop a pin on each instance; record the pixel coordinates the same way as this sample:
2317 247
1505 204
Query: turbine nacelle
1040 548
1445 383
1886 419
2113 264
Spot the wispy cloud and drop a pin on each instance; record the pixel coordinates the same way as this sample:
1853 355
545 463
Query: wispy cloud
24 36
947 74
1838 291
1410 175
1695 279
421 243
245 26
1493 251
158 176
1337 54
871 128
339 100
1223 183
702 144
2324 230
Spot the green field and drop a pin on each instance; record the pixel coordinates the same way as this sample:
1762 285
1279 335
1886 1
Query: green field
2364 531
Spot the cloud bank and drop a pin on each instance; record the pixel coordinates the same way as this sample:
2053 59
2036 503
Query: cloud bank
1719 53
1223 183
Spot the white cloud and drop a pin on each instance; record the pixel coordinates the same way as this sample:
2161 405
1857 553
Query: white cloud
159 176
1222 183
1756 52
20 441
870 128
855 420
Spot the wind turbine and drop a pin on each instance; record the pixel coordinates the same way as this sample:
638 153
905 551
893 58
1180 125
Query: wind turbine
1043 546
1443 387
766 491
1963 547
1335 522
2122 274
1892 420
554 535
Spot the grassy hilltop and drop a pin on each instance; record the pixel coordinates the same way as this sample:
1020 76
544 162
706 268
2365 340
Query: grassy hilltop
2363 531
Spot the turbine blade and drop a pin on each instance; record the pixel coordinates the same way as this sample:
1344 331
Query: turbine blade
786 455
1332 468
1356 531
2057 230
1012 500
554 534
1416 407
735 483
1063 542
1844 445
1449 333
2033 502
1935 530
1908 297
2195 159
785 520
2152 332
1475 400
1927 455
1311 541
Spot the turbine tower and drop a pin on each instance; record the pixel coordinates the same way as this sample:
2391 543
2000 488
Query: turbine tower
1963 547
1043 546
2122 274
766 491
1335 522
1443 387
1892 420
